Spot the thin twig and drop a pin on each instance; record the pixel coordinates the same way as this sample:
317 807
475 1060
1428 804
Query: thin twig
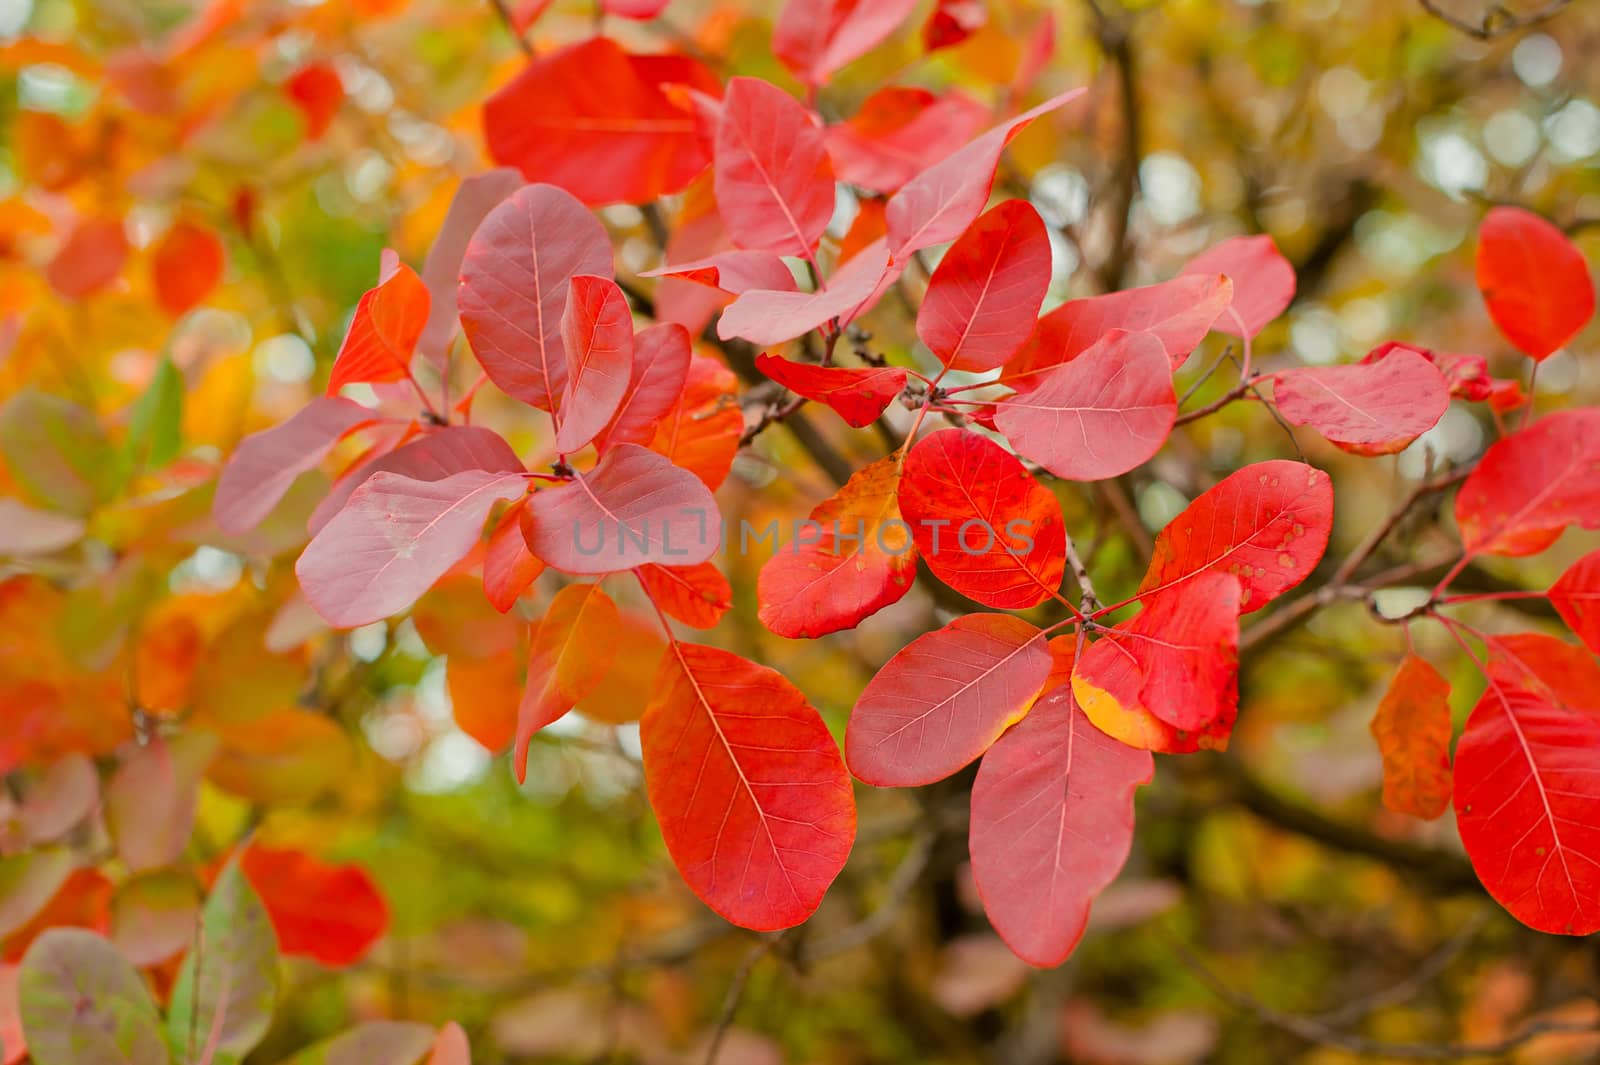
511 26
1497 20
1320 1033
730 1002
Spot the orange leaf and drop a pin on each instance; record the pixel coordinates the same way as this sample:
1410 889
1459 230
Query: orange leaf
384 332
316 91
817 584
572 649
1412 728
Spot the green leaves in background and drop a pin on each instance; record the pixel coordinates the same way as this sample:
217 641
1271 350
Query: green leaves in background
155 431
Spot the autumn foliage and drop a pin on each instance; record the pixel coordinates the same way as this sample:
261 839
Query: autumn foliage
541 442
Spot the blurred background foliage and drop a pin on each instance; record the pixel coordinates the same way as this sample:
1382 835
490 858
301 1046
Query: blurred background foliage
1272 910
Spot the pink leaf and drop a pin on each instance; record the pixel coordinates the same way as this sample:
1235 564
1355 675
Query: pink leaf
733 272
430 457
1100 415
1263 280
1372 408
1179 313
597 335
514 284
767 317
441 271
939 203
634 507
508 566
266 463
1052 824
773 182
859 396
944 699
814 38
661 356
395 537
984 297
634 9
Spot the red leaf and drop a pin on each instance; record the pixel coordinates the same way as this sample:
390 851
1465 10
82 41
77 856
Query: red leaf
597 335
265 464
858 396
1263 280
899 132
634 9
938 204
1098 416
572 649
441 271
1267 524
754 802
1052 823
332 913
509 568
1179 313
1178 658
952 22
984 525
432 456
1534 281
634 507
767 317
1412 727
1531 485
1374 408
1576 597
814 38
383 334
661 356
514 283
1525 769
698 595
186 265
944 699
395 537
598 122
316 92
733 271
814 585
983 299
773 182
701 433
90 259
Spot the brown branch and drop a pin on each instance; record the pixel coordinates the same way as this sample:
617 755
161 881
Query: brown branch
735 995
504 12
1320 1033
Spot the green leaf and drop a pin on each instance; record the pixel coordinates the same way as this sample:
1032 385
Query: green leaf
28 881
57 452
83 1004
373 1043
155 431
228 984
